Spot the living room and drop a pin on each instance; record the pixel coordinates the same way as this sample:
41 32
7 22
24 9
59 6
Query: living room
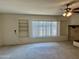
33 26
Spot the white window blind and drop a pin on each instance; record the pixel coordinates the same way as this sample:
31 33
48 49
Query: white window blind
23 28
44 28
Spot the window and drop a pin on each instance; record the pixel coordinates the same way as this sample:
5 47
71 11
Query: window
44 29
23 28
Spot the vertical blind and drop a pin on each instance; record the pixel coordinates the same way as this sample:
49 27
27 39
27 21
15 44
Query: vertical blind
44 28
23 28
38 28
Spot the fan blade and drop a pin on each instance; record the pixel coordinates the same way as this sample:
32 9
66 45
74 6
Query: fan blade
76 8
75 11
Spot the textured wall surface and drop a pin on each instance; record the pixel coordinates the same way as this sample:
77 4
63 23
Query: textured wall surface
74 20
10 23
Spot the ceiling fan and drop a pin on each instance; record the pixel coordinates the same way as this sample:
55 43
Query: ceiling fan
69 11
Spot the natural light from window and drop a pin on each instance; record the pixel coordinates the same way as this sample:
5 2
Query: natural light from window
44 29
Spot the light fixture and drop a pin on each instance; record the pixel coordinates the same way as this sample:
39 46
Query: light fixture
67 14
64 14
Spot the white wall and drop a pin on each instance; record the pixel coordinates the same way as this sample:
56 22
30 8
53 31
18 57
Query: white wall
74 20
1 34
10 23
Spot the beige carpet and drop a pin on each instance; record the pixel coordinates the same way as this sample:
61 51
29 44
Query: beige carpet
51 50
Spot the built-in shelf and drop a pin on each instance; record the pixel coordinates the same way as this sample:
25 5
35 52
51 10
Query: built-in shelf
73 33
73 26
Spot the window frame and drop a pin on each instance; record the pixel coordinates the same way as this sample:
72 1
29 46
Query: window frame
58 28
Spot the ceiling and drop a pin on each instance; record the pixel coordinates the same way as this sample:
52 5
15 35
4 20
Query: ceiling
41 7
